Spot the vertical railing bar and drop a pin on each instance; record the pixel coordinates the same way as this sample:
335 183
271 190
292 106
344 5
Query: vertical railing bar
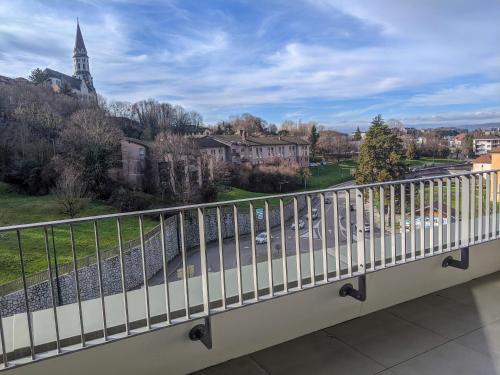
360 232
221 256
145 272
122 271
472 209
393 225
165 267
311 240
457 213
440 215
254 252
184 264
203 260
348 232
101 286
448 214
465 214
336 220
283 245
323 237
51 284
297 242
372 229
494 202
422 218
402 224
382 226
268 247
480 196
26 301
413 245
431 216
238 253
487 208
2 342
77 284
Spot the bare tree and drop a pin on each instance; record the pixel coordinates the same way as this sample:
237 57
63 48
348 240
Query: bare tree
71 192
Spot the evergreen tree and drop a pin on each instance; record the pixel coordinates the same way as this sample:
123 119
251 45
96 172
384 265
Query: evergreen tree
357 135
38 76
313 139
381 155
468 146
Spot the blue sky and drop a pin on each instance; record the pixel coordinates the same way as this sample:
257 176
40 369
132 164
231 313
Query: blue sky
338 62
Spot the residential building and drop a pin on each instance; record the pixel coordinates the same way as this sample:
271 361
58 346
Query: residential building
456 141
483 145
482 163
213 148
263 149
81 83
134 153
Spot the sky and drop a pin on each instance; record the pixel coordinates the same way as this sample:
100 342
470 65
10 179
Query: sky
337 62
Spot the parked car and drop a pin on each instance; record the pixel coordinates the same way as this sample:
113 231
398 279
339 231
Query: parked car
261 238
315 214
302 224
328 200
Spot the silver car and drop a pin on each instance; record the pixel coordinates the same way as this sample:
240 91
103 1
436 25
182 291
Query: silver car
261 238
301 224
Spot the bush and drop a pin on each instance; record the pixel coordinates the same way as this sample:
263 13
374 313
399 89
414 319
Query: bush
273 177
127 200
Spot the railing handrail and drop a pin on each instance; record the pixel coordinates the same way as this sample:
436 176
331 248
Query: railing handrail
175 209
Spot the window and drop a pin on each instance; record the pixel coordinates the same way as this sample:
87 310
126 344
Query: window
142 153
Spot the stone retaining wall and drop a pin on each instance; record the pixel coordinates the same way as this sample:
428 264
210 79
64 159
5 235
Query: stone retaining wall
39 295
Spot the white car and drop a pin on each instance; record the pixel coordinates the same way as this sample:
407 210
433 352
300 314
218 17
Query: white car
301 224
261 238
315 214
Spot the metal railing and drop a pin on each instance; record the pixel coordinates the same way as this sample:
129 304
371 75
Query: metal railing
341 233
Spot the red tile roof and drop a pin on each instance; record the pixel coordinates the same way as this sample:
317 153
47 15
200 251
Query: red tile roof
483 159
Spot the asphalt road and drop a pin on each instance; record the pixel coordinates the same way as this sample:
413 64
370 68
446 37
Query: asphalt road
229 245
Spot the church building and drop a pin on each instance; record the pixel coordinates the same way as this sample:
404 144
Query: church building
80 83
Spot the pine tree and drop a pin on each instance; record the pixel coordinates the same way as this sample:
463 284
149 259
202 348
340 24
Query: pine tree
38 76
357 135
313 139
381 155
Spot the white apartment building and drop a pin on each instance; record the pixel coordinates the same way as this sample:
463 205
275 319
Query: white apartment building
483 145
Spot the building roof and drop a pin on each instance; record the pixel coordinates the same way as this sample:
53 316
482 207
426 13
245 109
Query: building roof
460 137
209 142
260 140
494 137
137 141
74 83
495 150
79 44
483 159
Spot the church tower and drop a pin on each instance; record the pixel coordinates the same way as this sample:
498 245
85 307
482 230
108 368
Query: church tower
81 69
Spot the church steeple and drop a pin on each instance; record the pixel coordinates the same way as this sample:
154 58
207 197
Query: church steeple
81 67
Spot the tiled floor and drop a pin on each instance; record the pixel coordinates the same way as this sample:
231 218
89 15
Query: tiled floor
453 331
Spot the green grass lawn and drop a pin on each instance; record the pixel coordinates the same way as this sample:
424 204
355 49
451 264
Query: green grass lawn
18 208
430 161
324 176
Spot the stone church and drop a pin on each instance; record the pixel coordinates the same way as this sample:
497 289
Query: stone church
80 83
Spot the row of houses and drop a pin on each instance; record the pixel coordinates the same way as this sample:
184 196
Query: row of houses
233 149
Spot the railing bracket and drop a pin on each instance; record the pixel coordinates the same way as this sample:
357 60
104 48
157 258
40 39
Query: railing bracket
462 264
203 333
359 294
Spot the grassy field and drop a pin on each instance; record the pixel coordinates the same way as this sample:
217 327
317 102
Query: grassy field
328 175
430 161
18 208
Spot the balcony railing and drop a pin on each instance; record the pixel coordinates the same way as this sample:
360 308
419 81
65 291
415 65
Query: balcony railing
210 258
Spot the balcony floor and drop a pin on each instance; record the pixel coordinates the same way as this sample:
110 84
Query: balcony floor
453 331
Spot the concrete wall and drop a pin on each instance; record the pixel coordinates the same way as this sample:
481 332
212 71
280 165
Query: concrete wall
241 331
39 294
